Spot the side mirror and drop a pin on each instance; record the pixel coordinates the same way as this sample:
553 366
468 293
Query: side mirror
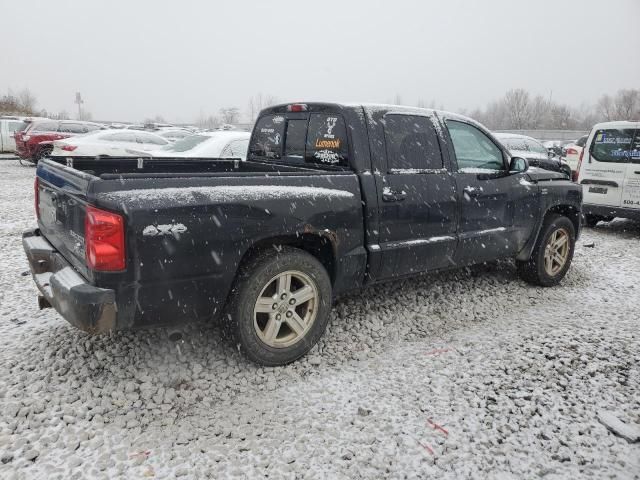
518 165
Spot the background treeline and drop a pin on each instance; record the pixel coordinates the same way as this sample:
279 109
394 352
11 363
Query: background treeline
518 109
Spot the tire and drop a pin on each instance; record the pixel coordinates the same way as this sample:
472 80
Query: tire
42 153
539 270
297 326
592 220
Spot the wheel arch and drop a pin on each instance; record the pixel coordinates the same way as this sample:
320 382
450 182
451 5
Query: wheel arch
572 212
320 245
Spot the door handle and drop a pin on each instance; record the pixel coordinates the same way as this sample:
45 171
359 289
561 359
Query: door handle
637 172
389 195
472 191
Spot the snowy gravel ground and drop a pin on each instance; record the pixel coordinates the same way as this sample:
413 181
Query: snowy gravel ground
513 376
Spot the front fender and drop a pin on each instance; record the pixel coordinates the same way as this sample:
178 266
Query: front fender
564 198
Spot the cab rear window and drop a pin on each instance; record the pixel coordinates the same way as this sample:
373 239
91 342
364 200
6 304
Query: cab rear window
326 140
614 145
315 138
268 137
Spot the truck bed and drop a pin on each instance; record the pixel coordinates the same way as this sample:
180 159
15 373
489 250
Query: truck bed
188 225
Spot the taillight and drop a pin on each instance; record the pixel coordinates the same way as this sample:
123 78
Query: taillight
572 151
69 148
36 196
576 174
104 240
297 107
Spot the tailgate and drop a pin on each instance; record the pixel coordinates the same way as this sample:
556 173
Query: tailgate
62 194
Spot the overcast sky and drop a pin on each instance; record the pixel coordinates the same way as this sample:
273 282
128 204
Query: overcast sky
136 59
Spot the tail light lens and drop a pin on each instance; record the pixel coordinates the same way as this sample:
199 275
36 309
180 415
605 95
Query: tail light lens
69 148
36 196
577 172
572 151
104 240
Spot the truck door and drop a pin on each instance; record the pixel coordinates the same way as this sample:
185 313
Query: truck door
416 198
496 207
631 188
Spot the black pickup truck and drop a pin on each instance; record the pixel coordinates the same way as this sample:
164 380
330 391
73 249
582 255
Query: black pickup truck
332 197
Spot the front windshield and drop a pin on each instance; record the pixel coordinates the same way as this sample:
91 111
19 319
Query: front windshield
186 143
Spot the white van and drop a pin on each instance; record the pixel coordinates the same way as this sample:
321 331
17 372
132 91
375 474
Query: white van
609 171
9 126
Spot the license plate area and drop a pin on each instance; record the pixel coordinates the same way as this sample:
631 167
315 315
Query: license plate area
600 190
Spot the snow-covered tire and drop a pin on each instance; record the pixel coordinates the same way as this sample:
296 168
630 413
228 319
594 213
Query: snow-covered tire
279 306
551 258
592 220
42 153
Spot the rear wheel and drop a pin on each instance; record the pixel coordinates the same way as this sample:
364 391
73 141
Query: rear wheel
279 306
42 153
552 254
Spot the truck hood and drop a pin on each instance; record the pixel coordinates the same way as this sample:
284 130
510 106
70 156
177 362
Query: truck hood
537 174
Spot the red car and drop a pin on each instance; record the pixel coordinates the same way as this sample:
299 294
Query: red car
35 139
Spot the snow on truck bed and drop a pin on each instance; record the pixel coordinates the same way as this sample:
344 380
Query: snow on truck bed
194 195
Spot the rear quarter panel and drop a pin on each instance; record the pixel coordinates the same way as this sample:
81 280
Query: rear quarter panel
186 241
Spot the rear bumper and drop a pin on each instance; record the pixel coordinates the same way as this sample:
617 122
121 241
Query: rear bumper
606 211
86 307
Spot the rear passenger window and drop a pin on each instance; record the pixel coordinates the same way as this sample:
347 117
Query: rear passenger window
612 145
327 140
412 143
267 137
295 138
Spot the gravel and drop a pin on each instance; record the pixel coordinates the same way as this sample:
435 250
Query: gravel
468 374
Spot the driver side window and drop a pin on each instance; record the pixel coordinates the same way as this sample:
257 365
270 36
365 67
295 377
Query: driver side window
475 152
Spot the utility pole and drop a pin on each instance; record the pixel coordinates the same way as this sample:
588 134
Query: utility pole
79 102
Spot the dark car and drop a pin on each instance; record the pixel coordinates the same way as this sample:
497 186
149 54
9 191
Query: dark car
331 198
34 140
534 151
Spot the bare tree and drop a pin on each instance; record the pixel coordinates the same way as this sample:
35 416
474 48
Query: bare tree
27 100
257 103
207 122
538 112
516 102
605 108
627 104
230 114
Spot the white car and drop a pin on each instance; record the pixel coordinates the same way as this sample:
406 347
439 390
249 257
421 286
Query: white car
572 152
9 126
609 171
173 134
221 144
113 143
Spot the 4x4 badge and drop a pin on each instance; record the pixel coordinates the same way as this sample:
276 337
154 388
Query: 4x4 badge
169 229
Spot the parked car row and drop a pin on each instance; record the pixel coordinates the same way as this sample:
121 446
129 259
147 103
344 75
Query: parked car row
35 138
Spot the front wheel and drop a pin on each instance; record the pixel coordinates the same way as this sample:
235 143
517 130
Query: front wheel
552 253
279 306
